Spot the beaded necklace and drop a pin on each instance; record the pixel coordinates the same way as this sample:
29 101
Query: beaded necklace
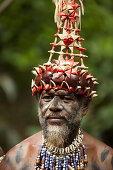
73 157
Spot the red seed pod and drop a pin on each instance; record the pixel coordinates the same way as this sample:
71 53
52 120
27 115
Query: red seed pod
73 81
58 69
83 82
58 80
37 79
46 77
47 87
39 88
67 40
34 91
48 68
71 89
90 84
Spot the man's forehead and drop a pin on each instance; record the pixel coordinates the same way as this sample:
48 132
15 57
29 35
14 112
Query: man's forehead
57 92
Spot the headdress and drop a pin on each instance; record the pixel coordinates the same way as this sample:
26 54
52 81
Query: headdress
69 71
69 74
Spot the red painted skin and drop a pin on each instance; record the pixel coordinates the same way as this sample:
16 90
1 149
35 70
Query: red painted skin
23 155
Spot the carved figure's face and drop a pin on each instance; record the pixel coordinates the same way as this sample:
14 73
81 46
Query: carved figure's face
59 111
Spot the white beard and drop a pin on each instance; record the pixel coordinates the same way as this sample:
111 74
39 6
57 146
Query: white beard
56 135
59 135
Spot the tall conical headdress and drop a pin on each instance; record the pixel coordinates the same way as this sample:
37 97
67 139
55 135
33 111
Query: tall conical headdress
66 72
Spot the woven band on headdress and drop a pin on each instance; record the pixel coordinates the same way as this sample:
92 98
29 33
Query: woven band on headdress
68 72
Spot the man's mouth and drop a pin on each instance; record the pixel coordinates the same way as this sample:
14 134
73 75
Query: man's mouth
56 120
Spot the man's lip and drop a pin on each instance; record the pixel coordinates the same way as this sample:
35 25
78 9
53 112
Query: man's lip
55 117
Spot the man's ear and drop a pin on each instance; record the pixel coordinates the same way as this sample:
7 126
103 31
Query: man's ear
37 96
85 106
85 110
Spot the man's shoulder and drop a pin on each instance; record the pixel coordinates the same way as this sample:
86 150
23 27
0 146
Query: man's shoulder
94 142
100 155
23 154
32 141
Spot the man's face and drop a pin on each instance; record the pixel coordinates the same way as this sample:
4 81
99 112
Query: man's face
60 113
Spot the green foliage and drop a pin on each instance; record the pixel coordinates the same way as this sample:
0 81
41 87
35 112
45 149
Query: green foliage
27 27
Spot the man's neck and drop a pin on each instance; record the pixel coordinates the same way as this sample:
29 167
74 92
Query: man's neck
59 142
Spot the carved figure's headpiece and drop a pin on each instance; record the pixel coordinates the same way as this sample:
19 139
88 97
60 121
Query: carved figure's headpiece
66 72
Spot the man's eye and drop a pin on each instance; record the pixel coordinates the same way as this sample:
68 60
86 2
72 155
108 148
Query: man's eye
47 97
66 98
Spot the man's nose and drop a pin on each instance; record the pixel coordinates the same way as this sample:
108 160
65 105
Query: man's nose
55 105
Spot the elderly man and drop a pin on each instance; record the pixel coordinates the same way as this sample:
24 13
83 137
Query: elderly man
60 114
63 89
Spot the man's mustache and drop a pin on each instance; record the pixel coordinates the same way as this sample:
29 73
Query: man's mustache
54 116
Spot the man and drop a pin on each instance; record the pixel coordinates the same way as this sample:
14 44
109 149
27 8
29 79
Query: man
60 116
63 89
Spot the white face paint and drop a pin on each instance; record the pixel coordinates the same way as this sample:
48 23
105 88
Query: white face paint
60 114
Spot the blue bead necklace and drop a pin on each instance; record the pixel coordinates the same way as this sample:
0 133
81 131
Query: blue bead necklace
73 157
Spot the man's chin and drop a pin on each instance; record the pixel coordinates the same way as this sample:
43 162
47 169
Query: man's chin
56 124
56 135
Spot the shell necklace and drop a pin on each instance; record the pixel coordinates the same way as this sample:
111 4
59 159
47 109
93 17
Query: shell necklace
73 157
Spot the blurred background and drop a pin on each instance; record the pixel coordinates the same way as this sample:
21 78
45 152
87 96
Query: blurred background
26 29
